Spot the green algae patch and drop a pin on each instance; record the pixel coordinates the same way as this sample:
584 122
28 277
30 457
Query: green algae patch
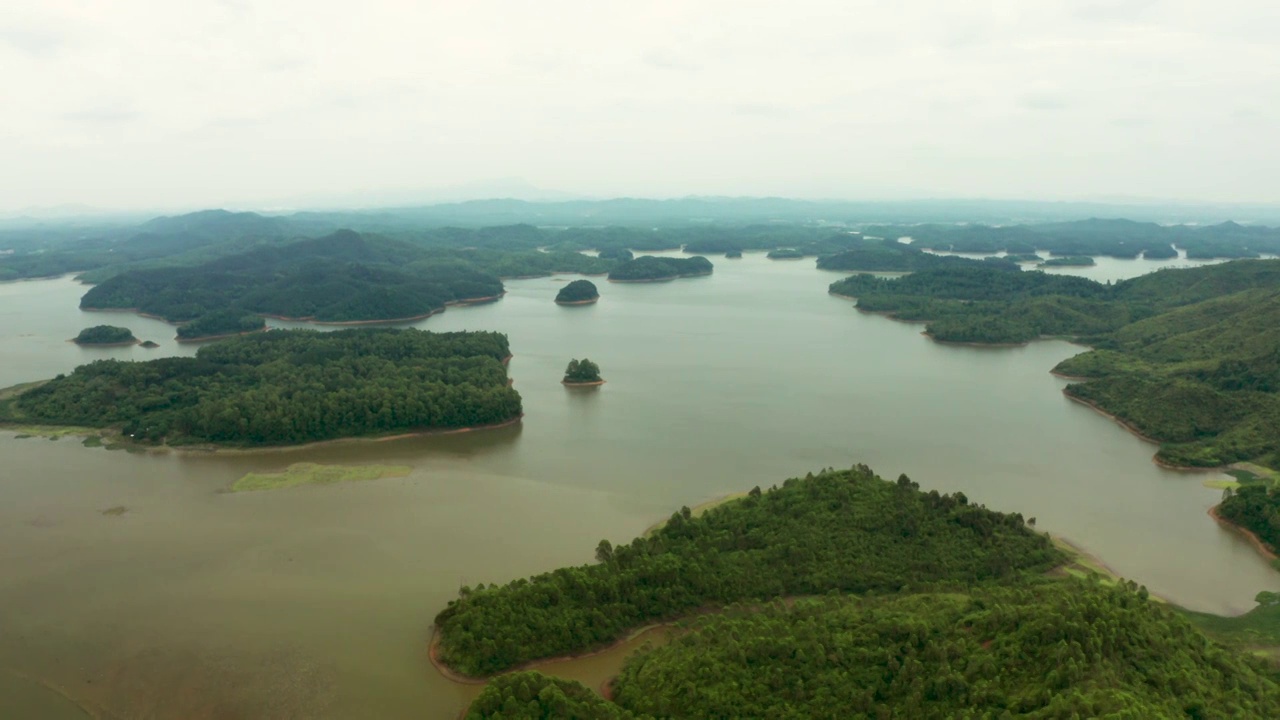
316 474
53 432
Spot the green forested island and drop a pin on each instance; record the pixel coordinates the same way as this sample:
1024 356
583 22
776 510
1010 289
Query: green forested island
105 335
1069 261
343 277
578 292
846 531
785 254
582 372
911 605
648 268
286 387
219 324
876 255
1189 357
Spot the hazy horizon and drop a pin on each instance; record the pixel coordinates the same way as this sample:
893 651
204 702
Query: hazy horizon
151 106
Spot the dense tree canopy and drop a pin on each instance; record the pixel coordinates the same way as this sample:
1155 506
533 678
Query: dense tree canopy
848 531
1256 508
876 255
650 267
343 277
287 386
581 372
219 323
1046 649
1069 261
578 291
105 335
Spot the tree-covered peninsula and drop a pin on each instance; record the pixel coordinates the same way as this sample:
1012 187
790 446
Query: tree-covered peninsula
844 595
649 268
1042 649
220 324
846 531
105 335
1254 507
286 387
578 292
1188 357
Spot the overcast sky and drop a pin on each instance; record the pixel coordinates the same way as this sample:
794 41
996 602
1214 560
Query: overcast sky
164 104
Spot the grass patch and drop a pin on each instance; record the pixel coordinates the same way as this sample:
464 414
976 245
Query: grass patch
53 432
1257 630
93 441
1223 484
316 474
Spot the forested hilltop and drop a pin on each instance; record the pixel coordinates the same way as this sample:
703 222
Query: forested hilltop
650 267
286 387
343 277
105 335
1189 357
912 604
847 531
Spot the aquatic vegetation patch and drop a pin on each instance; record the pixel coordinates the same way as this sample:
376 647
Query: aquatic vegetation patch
316 474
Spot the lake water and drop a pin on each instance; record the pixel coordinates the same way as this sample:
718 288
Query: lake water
318 601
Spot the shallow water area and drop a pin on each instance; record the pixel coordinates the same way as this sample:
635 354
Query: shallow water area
317 601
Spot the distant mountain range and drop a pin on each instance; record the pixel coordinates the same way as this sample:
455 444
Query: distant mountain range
514 201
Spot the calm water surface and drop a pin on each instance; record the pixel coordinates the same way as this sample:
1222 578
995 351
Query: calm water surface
317 601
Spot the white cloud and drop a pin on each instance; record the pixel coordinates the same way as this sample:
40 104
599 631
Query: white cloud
147 103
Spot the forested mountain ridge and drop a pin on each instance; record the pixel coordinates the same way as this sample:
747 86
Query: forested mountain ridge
847 531
286 387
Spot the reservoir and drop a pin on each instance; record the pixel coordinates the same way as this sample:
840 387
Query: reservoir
318 601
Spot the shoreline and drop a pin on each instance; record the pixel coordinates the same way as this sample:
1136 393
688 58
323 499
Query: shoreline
134 311
448 673
1138 433
232 450
1124 424
594 383
968 343
312 320
592 301
114 434
1257 543
662 279
123 343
